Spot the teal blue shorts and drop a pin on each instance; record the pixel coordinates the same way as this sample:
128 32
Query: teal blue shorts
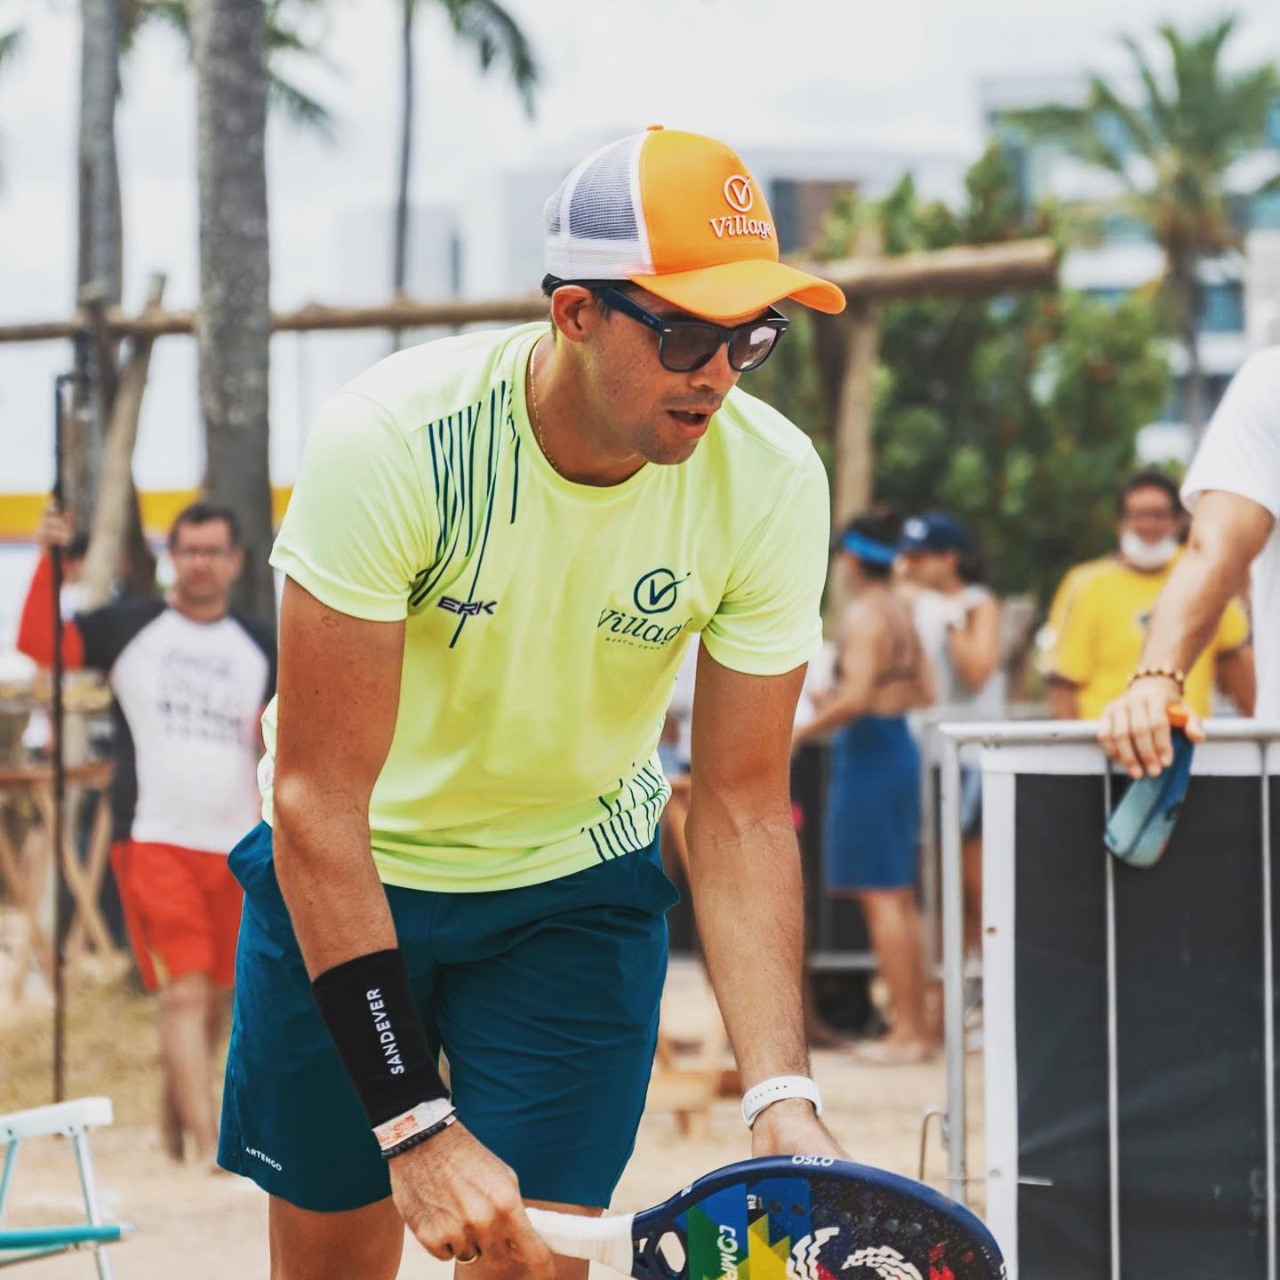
544 999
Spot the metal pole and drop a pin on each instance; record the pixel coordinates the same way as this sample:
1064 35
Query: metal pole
1113 1041
1268 1013
58 763
61 889
953 975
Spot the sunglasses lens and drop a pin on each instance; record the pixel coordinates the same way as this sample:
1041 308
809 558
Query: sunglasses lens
688 345
751 345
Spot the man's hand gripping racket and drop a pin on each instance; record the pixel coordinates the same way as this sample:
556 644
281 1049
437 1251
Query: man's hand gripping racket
787 1218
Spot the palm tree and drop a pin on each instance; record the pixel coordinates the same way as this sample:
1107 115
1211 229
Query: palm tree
1172 150
229 42
284 37
109 31
9 44
495 36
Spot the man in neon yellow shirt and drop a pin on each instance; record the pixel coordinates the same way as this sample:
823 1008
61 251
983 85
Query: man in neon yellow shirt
1099 618
497 551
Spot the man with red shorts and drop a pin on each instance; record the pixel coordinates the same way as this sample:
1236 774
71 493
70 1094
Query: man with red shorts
190 680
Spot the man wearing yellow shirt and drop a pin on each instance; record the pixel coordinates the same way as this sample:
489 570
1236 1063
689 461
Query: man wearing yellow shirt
1099 617
497 552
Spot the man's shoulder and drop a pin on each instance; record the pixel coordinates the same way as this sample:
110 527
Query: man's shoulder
760 433
1085 583
1093 573
424 383
1261 370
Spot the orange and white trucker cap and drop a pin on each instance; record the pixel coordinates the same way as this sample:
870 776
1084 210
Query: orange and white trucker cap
679 215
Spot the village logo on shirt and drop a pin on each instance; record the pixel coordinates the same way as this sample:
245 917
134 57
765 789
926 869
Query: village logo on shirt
655 594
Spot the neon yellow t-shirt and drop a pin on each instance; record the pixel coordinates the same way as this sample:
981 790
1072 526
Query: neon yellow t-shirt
1102 628
545 620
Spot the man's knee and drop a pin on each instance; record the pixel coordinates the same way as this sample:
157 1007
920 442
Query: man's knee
189 993
335 1246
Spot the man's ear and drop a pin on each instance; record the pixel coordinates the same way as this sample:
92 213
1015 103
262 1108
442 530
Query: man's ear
575 312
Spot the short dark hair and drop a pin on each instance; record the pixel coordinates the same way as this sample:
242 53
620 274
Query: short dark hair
1149 478
882 524
551 283
204 513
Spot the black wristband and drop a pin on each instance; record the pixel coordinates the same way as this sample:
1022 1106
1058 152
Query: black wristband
368 1006
417 1139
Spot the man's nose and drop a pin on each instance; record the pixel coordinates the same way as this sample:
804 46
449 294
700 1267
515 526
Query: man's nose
717 374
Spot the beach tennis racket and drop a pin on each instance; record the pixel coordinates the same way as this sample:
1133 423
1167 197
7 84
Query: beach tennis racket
787 1218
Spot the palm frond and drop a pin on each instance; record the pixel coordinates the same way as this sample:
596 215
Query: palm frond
1163 113
10 43
495 35
300 107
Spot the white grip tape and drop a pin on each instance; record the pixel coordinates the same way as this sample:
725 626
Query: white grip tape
573 1235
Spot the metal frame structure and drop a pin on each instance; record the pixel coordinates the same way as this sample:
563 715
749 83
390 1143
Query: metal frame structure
1234 747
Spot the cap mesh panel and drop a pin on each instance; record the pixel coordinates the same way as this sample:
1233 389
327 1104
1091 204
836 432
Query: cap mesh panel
593 230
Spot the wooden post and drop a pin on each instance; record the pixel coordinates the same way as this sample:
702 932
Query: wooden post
854 461
117 504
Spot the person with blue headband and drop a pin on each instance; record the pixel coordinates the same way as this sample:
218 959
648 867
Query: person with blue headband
872 830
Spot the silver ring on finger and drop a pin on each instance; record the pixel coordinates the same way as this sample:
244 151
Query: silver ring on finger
467 1261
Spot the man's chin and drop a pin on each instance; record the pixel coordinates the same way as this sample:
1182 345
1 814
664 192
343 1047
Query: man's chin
673 453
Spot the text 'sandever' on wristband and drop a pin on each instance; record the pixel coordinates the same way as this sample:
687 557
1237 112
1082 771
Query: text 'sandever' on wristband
369 1008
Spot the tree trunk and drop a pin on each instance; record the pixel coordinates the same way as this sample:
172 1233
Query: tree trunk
100 242
853 479
400 237
234 321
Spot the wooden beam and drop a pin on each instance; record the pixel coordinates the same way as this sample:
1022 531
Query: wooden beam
970 271
967 271
403 313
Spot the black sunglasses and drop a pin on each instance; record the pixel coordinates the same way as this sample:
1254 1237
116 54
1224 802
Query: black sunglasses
686 345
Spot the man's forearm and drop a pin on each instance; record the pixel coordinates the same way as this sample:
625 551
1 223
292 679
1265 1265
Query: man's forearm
1191 605
748 893
323 863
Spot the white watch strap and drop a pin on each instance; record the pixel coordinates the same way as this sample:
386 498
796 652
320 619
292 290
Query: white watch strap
423 1116
767 1092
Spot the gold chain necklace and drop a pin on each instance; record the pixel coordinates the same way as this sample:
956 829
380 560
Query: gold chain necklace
535 416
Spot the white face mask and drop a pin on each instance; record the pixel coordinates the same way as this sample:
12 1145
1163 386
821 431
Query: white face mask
1147 555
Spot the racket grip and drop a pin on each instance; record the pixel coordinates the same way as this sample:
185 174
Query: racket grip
573 1235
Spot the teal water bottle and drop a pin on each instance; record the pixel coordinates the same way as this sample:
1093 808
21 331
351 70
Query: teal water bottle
1139 828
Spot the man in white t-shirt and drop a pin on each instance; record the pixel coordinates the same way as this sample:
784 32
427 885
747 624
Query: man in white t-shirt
1233 489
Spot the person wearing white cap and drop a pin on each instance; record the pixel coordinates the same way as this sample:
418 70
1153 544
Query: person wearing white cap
498 549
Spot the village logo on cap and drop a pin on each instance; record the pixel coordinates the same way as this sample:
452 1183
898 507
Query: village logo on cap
737 191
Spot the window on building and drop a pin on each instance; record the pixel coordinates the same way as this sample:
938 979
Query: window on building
1273 123
1264 212
1123 228
1222 308
1115 137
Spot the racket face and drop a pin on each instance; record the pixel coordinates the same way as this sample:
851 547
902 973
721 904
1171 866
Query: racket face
811 1218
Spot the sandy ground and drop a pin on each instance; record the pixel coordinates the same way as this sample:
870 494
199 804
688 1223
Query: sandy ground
199 1227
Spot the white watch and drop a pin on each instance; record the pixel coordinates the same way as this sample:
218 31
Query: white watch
425 1115
775 1089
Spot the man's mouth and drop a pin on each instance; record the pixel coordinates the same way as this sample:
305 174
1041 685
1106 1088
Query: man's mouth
691 419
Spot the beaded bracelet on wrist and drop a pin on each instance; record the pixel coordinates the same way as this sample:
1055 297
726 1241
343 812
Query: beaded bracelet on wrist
1167 673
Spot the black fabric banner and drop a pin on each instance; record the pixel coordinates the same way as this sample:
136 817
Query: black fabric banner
1191 1037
